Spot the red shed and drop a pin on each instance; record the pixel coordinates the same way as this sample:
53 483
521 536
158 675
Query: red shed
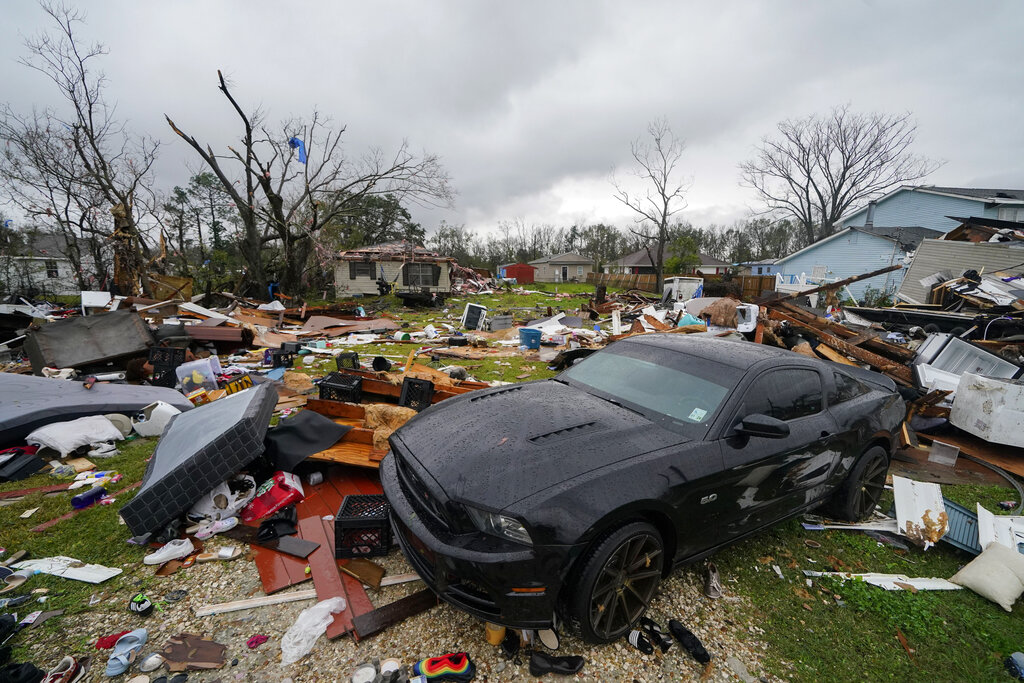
522 272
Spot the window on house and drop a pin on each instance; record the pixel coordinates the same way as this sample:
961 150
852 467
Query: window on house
421 274
357 269
1011 213
579 270
759 270
51 269
818 272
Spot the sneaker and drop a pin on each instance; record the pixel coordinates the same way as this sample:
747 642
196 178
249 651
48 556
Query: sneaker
221 525
453 667
713 585
690 642
174 550
63 672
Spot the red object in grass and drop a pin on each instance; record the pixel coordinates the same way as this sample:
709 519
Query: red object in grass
107 642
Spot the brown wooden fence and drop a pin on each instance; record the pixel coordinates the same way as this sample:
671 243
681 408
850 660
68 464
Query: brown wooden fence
749 286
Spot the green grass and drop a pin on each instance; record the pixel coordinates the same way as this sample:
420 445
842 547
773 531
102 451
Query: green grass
93 536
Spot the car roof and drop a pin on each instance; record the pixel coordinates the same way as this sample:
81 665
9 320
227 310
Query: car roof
737 354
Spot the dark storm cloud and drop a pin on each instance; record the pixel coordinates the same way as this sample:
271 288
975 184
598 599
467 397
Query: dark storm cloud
531 104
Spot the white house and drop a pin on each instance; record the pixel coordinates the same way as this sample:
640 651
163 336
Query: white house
42 268
406 266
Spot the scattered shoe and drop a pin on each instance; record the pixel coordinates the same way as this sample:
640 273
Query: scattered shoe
713 585
141 605
640 642
213 528
63 672
452 667
173 550
690 642
654 632
228 552
151 663
365 673
548 638
126 650
105 449
542 663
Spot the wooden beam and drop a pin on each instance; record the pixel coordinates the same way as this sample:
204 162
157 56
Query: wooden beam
833 355
899 373
279 599
368 624
833 285
875 344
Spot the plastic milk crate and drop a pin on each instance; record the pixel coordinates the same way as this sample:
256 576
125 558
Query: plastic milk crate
338 386
361 527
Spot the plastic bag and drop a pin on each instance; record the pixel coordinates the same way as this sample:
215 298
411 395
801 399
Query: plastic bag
298 640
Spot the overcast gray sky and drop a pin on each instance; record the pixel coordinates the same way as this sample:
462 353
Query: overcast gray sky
531 105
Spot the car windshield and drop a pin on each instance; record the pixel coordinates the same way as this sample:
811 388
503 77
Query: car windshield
657 382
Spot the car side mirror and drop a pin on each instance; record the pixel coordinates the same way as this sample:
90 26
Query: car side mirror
763 425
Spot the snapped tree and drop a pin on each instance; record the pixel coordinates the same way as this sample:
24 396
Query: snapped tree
819 167
656 165
287 202
75 169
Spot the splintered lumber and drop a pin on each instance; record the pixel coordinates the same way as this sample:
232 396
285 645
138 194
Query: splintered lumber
870 342
374 622
224 607
834 356
833 285
900 373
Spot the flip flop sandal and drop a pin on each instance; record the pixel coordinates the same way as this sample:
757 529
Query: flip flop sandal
189 561
15 558
226 553
640 642
151 662
176 595
179 678
126 651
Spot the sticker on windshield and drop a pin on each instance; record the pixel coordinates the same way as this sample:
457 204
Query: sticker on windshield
698 414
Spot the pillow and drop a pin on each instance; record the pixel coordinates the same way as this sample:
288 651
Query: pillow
996 574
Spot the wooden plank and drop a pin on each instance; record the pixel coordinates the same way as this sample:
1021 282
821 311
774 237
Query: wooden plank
834 356
859 339
384 617
359 455
872 343
37 489
1009 458
336 408
899 373
224 607
326 577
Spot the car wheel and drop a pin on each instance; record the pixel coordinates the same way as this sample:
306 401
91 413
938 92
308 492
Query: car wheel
859 494
616 583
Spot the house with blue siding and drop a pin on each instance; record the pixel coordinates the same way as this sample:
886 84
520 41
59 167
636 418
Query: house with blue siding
930 207
850 252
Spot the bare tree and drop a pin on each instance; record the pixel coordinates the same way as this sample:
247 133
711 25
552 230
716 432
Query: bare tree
657 161
819 167
282 200
75 166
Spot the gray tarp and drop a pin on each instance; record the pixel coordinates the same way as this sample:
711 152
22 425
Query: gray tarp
28 402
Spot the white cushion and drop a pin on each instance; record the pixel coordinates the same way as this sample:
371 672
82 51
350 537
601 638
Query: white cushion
996 574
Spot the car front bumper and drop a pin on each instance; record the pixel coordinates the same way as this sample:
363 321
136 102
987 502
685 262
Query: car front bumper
477 574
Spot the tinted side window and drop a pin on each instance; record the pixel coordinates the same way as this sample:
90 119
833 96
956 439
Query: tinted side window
784 394
846 388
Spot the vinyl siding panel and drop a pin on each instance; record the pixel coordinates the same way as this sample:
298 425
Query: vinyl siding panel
853 253
922 209
343 286
937 255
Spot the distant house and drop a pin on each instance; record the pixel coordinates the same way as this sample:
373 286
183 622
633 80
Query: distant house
567 267
767 266
41 267
522 273
850 252
639 263
931 207
402 264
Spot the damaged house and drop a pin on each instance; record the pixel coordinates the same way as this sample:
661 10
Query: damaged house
402 265
934 207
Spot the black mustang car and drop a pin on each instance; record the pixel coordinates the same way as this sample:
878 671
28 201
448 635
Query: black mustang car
578 494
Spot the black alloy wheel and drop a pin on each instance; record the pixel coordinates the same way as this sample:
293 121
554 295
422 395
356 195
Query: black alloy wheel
858 496
619 579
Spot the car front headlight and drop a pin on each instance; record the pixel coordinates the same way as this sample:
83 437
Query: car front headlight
499 525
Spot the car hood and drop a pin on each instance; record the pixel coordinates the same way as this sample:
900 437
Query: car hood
496 446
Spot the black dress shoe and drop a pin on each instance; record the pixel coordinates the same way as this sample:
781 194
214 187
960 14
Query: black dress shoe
690 642
541 663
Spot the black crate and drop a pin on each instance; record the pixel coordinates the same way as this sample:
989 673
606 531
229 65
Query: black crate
361 527
291 347
416 393
347 361
164 358
279 358
341 387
